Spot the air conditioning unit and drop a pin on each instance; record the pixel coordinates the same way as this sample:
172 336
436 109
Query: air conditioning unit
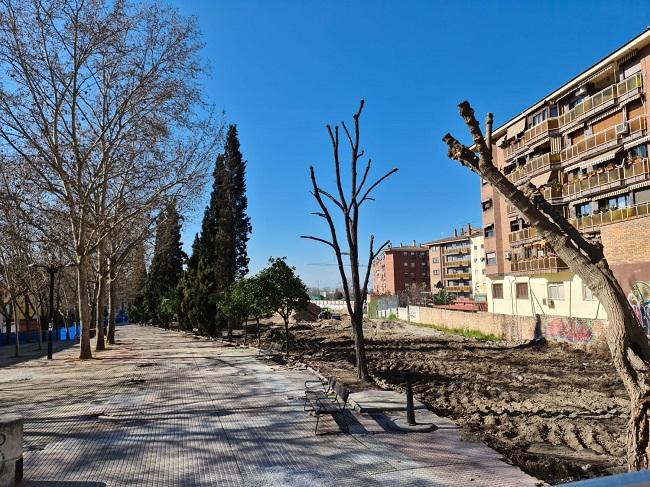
507 255
582 91
548 302
621 128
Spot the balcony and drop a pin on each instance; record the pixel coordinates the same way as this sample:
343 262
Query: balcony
591 104
619 176
538 265
525 234
553 194
458 275
541 130
459 289
465 249
603 139
611 216
457 263
540 164
515 148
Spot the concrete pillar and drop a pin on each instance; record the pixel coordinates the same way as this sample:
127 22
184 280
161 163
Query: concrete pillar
11 450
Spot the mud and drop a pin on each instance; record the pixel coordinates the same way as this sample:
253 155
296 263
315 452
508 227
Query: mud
558 413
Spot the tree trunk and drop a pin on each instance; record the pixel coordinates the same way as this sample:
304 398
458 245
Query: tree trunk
17 327
286 334
111 306
245 331
99 313
259 333
230 327
84 309
359 346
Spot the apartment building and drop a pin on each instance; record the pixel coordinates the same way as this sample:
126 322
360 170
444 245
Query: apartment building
398 267
585 145
457 263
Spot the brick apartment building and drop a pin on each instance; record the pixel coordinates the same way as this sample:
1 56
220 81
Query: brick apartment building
586 146
458 263
398 267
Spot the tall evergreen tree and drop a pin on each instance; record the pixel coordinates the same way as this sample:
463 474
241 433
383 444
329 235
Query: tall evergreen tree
220 250
167 263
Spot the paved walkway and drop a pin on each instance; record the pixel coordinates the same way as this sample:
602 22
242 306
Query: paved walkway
164 409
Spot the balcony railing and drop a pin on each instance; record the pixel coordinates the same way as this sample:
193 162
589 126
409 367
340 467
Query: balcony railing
459 289
611 216
542 163
524 234
601 138
514 148
552 194
458 275
541 129
538 265
632 83
637 171
465 249
457 263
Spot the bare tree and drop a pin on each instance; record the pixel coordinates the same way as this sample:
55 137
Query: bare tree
355 288
628 343
103 101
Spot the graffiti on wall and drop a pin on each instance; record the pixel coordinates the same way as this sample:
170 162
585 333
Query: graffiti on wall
571 330
639 298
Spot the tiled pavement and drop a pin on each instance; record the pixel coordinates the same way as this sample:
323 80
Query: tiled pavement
165 409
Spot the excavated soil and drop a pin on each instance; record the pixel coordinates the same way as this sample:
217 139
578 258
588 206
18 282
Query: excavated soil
558 413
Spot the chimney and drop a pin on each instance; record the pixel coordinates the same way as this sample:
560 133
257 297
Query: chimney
401 244
455 232
469 229
414 245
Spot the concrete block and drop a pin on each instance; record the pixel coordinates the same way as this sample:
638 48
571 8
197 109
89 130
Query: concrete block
11 450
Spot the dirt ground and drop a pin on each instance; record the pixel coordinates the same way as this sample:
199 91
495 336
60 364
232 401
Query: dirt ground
558 413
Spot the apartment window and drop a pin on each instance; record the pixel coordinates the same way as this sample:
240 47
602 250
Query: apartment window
487 204
641 196
406 264
412 264
489 231
491 258
583 210
434 248
423 263
497 291
435 260
423 255
553 111
613 203
556 290
413 274
587 295
521 290
406 274
539 118
435 272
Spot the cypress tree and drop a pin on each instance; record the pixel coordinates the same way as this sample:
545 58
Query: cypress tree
219 253
167 263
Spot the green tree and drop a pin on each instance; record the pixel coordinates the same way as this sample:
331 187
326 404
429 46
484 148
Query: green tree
167 263
287 293
219 255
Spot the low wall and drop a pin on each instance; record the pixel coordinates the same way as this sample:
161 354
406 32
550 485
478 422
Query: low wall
575 331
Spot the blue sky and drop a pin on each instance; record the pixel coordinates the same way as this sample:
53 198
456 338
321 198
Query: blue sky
283 69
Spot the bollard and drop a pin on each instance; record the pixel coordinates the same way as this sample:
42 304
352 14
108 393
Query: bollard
11 450
410 409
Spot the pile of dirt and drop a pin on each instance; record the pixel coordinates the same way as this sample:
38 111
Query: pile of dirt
558 413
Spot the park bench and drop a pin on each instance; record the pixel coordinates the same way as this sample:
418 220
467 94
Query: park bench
275 349
331 398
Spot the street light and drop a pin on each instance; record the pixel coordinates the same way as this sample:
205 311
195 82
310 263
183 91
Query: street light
51 270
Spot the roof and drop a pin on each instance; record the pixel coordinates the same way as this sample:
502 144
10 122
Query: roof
476 233
637 42
407 248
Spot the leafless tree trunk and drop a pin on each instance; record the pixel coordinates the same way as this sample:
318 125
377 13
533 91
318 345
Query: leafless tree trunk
111 304
628 343
354 288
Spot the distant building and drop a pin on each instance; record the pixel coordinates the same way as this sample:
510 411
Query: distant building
585 145
399 267
457 263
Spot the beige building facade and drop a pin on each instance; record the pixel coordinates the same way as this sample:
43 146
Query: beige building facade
585 145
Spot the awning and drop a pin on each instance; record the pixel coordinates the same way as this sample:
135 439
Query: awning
639 185
500 141
516 128
541 179
605 114
607 156
597 74
613 193
636 142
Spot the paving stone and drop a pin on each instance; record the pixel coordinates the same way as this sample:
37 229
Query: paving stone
162 408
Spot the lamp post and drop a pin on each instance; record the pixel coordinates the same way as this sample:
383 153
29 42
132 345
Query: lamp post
51 270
